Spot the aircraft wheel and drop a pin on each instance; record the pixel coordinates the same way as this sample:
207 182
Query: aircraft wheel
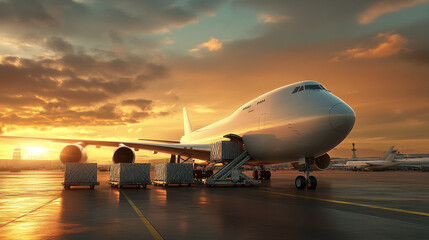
255 175
300 182
268 175
312 182
262 175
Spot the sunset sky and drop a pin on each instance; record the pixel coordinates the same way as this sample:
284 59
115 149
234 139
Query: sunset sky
123 70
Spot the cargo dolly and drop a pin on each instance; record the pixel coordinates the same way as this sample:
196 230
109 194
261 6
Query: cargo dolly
166 183
67 185
119 184
231 173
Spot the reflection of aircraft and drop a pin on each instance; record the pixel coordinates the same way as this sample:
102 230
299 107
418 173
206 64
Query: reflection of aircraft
296 123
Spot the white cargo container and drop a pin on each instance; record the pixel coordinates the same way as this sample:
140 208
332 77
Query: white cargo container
137 174
80 174
173 173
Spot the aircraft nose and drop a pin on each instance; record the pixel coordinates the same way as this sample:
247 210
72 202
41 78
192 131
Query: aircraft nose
342 117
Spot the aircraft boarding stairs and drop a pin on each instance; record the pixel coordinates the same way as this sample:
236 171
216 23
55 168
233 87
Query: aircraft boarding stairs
231 173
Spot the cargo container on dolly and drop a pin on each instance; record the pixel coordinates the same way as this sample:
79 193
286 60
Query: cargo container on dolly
80 174
173 173
129 174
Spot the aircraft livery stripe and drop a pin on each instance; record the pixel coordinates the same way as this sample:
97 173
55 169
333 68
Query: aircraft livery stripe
351 203
156 235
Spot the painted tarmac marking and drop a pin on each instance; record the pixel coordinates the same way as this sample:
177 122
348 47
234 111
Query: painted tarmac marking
351 203
32 211
149 226
393 199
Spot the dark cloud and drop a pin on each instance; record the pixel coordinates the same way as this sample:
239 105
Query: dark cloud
21 12
99 20
208 6
58 44
143 104
61 115
73 89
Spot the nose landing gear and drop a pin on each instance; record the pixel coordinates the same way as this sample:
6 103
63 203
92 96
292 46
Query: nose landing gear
310 182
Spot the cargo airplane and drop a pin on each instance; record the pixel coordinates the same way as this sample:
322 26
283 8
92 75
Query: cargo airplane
297 123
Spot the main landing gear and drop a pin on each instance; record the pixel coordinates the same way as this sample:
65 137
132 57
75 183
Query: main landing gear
311 182
261 174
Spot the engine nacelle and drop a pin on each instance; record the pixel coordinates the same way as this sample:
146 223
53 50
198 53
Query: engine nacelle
320 163
73 153
123 154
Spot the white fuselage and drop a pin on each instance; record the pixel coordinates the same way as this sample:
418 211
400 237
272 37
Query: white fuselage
282 126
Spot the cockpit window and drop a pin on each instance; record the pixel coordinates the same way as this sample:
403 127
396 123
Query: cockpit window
312 87
308 87
296 89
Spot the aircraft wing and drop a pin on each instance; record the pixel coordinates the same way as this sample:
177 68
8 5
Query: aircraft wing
200 151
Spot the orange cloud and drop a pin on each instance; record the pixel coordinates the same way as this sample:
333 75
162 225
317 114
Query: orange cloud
272 18
212 45
380 8
391 45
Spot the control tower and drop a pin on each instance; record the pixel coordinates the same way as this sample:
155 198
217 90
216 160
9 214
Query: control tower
354 151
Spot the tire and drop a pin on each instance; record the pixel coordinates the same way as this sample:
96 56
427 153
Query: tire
268 174
255 175
92 187
300 182
262 175
312 182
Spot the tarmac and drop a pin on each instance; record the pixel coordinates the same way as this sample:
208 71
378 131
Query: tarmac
345 205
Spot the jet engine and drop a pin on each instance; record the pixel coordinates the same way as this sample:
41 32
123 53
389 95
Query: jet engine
123 154
320 163
73 153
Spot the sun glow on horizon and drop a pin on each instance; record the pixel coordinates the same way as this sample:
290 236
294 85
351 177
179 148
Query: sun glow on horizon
37 153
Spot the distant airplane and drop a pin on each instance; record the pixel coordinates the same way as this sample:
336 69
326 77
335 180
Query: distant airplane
384 162
297 123
355 163
387 161
421 163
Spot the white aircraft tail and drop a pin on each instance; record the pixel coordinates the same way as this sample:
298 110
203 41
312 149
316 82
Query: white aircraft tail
387 153
391 156
186 122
